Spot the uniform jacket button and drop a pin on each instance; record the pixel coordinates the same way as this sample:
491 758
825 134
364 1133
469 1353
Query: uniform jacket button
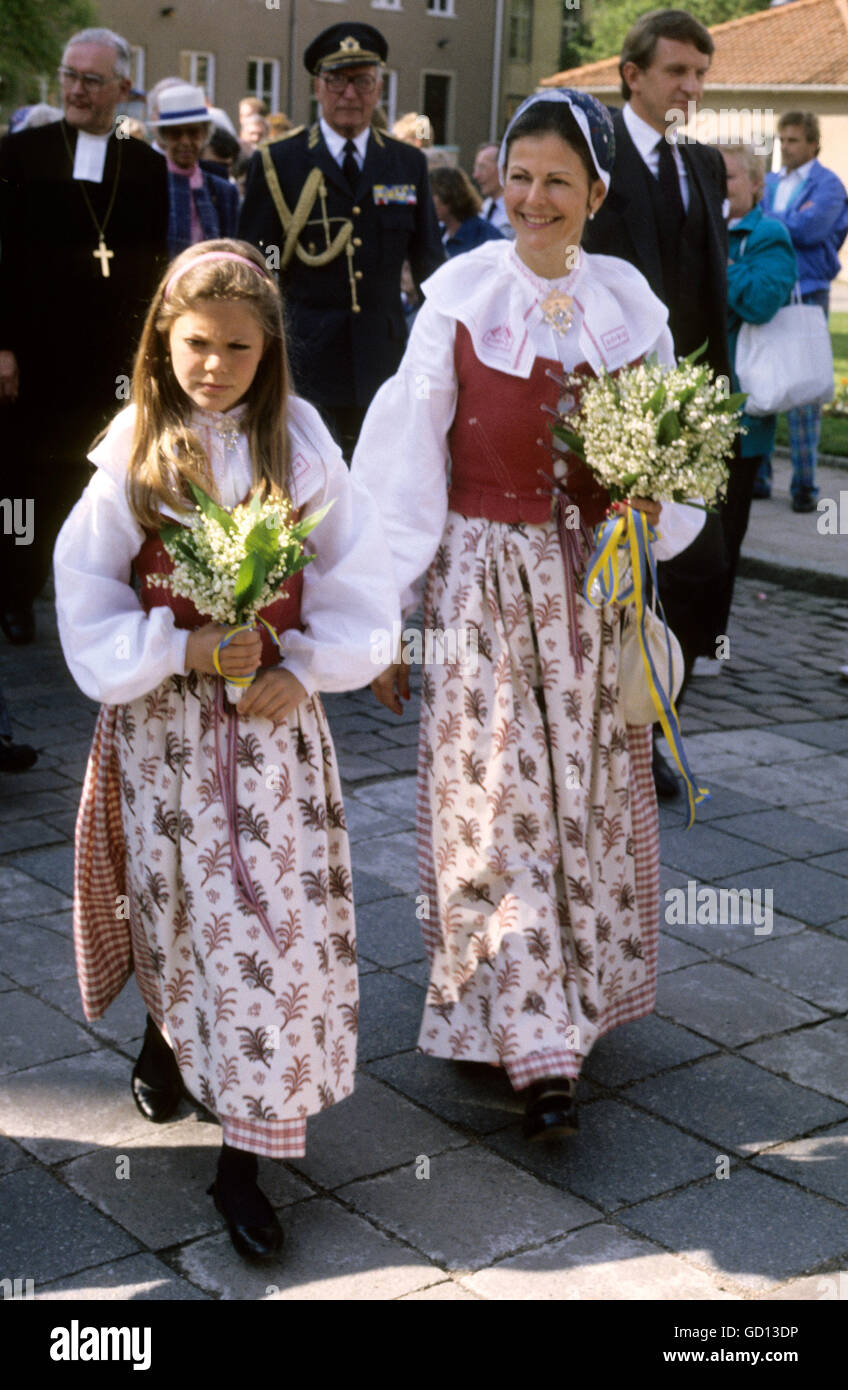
356 211
357 241
357 275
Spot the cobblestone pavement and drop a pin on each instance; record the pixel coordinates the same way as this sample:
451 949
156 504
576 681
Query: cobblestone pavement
712 1159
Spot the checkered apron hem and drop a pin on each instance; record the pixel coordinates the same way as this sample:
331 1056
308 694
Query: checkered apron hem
102 939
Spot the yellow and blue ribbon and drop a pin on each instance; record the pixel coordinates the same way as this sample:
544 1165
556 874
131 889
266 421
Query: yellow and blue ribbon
604 575
225 642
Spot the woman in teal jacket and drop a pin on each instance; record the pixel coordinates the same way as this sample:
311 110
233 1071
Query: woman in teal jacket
761 274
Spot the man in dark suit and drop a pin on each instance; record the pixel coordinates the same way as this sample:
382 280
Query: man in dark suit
337 209
83 224
665 213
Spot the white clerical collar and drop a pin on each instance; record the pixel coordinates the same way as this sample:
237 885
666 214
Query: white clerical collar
90 157
643 135
335 143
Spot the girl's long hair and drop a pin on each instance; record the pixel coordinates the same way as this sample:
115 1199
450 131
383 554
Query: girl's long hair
166 452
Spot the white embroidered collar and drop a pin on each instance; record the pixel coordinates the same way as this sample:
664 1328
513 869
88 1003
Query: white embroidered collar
499 300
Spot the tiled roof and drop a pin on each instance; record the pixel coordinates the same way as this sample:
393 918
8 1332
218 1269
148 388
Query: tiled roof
799 44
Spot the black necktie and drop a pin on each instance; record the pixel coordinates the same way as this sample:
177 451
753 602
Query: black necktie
669 182
350 168
490 214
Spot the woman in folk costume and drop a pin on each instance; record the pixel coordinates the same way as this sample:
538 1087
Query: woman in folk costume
538 840
222 829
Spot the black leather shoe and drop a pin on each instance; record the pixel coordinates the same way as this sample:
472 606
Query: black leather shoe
550 1110
19 625
157 1086
665 782
254 1229
804 501
16 757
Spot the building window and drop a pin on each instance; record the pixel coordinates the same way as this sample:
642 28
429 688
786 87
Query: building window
443 8
386 5
199 70
436 91
263 81
137 67
520 31
388 101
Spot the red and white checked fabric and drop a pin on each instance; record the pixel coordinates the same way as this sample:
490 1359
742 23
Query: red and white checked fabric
102 935
282 1139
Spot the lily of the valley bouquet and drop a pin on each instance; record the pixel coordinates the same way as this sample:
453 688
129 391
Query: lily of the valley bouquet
663 433
232 564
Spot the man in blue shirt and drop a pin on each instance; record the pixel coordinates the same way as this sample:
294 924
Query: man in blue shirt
812 204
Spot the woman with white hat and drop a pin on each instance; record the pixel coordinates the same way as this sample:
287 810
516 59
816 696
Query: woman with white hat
203 207
537 816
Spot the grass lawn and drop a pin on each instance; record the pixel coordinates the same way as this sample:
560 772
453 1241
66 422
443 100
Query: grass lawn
834 428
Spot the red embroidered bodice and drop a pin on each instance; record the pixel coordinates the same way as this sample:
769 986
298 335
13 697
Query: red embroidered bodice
153 558
500 443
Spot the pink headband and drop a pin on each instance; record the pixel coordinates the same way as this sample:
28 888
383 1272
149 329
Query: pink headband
209 256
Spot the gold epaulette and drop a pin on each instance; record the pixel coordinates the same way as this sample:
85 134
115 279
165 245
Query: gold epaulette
287 135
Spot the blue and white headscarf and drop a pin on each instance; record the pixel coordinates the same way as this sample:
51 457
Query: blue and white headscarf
591 116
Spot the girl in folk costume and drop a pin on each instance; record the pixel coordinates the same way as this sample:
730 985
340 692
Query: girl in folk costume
222 828
537 817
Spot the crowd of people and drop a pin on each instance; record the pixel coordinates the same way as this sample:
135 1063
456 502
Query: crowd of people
363 328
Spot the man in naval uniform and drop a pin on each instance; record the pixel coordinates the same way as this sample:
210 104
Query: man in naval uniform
337 209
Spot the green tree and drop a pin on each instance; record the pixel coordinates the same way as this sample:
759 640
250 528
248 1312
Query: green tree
32 36
610 20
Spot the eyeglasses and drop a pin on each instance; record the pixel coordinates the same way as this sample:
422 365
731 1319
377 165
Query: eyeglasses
91 81
338 82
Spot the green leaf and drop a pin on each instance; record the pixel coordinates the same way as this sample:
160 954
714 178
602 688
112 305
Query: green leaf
263 540
249 581
658 399
733 402
668 428
255 503
211 509
569 438
302 528
699 352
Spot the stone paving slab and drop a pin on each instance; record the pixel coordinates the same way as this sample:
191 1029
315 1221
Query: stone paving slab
827 812
674 954
757 1231
371 1131
33 1033
475 1096
392 858
30 954
709 853
792 835
67 1107
730 1006
396 798
12 1156
388 931
329 1254
52 866
812 1057
619 1156
446 1292
457 1217
154 1185
734 1104
732 938
643 1048
123 1022
22 896
820 1162
389 1016
811 965
813 895
47 1232
824 733
598 1263
136 1277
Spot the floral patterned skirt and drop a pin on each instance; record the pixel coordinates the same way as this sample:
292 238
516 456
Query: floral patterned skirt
537 817
262 1019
